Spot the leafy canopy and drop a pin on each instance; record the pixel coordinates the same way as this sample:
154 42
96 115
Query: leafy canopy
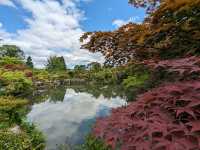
11 51
55 63
172 30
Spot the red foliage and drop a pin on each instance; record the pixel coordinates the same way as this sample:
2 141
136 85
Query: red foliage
183 68
12 67
29 74
165 118
19 67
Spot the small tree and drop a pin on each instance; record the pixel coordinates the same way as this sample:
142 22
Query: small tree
29 62
80 68
94 66
11 51
55 63
171 31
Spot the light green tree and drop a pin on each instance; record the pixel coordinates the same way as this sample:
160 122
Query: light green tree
94 66
55 63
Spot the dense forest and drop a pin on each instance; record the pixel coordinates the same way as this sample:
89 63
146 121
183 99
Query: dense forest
156 61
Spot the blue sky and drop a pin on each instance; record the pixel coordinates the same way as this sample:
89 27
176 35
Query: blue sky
52 27
101 13
12 18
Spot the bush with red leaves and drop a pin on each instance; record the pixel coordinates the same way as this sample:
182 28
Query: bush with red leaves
29 74
14 67
176 69
165 118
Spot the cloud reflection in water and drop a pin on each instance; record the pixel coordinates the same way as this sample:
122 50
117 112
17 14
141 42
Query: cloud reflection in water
67 122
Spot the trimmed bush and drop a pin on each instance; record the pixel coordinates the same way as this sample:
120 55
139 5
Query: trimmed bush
10 61
41 75
16 82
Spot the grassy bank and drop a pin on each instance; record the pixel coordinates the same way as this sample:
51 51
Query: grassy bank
15 132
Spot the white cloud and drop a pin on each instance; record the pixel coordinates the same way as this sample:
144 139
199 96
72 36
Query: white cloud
54 118
53 29
120 22
3 33
7 3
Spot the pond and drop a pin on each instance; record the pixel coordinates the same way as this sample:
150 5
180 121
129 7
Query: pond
66 115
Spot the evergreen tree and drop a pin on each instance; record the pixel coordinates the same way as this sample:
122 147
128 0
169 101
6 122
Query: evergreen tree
29 62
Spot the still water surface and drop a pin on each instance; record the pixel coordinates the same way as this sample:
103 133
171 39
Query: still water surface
65 117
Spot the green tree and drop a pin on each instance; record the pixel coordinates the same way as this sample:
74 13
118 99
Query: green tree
11 51
80 68
10 61
29 62
94 66
55 63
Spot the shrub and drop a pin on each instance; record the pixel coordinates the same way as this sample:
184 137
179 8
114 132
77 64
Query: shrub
11 111
41 75
103 76
10 61
11 141
176 69
8 103
15 67
61 75
16 82
26 140
37 138
135 81
29 74
164 118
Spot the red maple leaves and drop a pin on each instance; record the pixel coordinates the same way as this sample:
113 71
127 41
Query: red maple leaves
177 69
165 118
14 67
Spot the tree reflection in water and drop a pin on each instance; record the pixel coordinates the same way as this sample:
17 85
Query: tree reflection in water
66 115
